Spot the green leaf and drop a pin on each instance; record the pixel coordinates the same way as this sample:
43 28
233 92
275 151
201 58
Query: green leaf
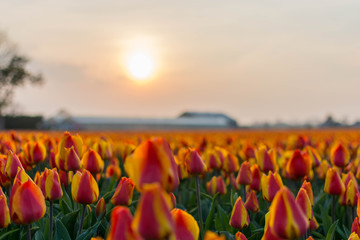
39 235
89 232
331 233
69 221
9 233
210 217
61 233
326 219
222 220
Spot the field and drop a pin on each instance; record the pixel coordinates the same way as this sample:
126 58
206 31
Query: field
298 184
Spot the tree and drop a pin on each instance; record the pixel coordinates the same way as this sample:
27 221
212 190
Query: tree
13 72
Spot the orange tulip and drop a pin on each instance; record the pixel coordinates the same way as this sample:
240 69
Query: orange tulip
124 192
244 176
121 229
333 183
339 155
153 219
216 185
293 222
213 236
92 162
27 203
298 165
49 183
4 211
354 236
84 188
270 185
151 162
113 170
186 228
239 215
194 163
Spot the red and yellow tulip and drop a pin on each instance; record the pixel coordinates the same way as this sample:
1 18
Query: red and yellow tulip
124 192
84 188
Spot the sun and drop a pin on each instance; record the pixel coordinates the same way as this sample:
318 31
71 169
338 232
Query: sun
141 65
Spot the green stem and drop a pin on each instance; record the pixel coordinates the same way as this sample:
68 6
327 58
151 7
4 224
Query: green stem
333 209
199 207
51 221
244 193
82 218
28 232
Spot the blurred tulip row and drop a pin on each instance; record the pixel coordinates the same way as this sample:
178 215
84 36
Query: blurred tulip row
180 185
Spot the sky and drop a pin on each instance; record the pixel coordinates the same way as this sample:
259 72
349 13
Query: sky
256 61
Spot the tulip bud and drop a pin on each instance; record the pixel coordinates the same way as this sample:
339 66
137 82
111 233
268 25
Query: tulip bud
302 199
307 186
339 155
152 162
124 192
314 156
4 180
153 219
35 152
213 236
92 162
216 185
4 211
240 236
113 170
355 227
121 229
231 163
84 188
100 208
12 165
322 169
333 183
298 166
349 197
268 234
185 225
252 203
71 160
212 159
49 182
354 236
244 176
314 224
239 215
194 163
293 222
103 148
270 185
265 159
27 203
256 177
69 141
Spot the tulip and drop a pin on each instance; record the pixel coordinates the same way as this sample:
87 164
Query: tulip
233 182
293 222
35 152
339 155
349 197
84 190
50 185
4 180
303 200
70 160
333 183
152 162
69 141
113 170
240 236
355 228
153 219
216 185
266 159
12 165
298 166
314 156
173 200
314 224
252 203
103 148
270 185
247 152
213 236
307 186
230 164
239 215
27 203
213 159
354 236
268 234
100 208
194 163
244 176
186 228
4 211
256 177
121 229
92 162
124 192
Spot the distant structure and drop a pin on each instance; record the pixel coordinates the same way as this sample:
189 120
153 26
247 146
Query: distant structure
187 120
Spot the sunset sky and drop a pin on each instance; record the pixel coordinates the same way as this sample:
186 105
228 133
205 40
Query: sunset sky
253 60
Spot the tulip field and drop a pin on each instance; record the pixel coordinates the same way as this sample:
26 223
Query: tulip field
184 185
